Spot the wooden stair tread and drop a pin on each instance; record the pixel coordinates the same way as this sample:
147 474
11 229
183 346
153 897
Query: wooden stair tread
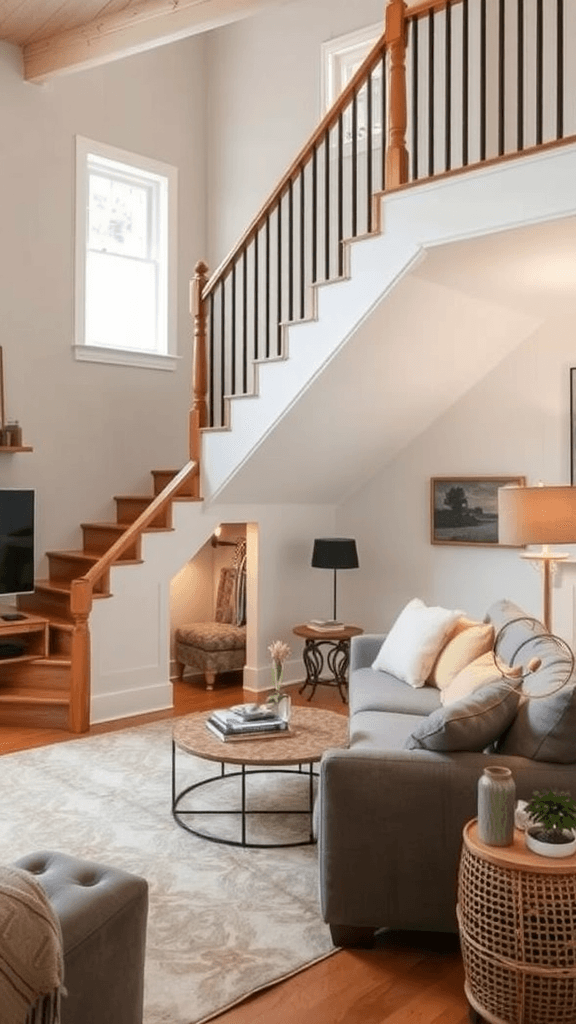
76 553
8 694
51 587
79 554
55 660
122 527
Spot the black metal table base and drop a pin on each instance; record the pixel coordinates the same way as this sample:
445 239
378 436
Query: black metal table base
336 658
179 814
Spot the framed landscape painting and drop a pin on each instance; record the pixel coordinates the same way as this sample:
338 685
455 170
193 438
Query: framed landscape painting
464 510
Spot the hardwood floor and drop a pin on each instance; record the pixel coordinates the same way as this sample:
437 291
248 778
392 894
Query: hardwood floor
407 978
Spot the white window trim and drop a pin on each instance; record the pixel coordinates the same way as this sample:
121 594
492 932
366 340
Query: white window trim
99 353
338 54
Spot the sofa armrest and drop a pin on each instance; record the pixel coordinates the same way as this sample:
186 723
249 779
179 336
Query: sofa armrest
390 831
364 648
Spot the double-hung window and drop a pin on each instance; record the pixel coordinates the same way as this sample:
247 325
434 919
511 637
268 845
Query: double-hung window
125 257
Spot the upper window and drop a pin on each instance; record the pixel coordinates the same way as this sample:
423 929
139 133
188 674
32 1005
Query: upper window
125 257
341 58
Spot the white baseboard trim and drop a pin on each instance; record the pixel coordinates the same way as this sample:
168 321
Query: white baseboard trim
108 707
258 680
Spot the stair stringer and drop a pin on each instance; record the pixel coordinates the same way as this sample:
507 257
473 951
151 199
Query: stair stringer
525 190
130 630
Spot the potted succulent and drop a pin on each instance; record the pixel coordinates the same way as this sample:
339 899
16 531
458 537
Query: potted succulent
553 817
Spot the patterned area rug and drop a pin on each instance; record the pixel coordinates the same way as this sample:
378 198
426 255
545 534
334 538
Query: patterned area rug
224 921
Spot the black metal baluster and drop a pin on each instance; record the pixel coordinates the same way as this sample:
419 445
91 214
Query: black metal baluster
267 280
520 105
354 184
414 25
369 142
314 239
222 350
279 281
431 94
302 180
290 250
501 75
448 97
211 363
340 193
256 296
559 69
483 80
465 82
233 331
539 72
327 205
245 322
383 113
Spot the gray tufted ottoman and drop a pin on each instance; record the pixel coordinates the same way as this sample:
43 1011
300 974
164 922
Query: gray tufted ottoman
103 912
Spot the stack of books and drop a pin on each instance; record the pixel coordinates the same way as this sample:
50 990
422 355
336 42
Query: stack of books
325 625
246 721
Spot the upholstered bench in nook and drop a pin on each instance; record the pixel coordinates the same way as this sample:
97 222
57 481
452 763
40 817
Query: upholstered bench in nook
218 646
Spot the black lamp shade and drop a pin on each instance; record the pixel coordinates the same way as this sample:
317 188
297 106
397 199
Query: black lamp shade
335 553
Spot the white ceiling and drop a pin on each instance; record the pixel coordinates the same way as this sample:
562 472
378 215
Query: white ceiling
449 322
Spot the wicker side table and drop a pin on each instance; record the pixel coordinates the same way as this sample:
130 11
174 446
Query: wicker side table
517 921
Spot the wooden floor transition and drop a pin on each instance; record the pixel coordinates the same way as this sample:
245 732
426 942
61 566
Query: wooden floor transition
408 978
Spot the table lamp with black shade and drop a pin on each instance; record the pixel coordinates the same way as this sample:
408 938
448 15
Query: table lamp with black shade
334 553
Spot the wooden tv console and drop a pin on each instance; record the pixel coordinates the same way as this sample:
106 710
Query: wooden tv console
30 630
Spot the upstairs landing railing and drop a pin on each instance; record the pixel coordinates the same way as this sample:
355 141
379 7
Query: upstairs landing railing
450 85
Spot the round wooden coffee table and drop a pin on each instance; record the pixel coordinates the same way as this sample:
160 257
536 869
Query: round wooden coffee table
312 731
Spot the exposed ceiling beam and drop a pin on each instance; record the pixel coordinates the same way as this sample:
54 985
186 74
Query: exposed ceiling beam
140 26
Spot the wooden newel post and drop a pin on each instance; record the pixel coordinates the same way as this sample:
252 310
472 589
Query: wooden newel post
397 154
199 412
80 606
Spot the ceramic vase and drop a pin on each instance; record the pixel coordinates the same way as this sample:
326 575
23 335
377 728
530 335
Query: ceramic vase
496 805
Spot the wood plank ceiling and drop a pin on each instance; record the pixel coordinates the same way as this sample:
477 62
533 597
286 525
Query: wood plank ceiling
61 36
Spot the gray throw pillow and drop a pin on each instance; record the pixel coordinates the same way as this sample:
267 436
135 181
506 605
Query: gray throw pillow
544 728
471 723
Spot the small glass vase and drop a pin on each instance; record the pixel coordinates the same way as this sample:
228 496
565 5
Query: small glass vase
284 707
496 806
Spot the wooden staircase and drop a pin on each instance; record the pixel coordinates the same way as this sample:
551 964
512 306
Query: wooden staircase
37 688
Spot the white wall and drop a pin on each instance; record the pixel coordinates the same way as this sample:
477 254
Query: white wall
515 422
264 103
97 430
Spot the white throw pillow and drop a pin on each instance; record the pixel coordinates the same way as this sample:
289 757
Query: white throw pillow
414 641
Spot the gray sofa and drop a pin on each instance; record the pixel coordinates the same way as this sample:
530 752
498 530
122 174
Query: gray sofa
390 818
103 912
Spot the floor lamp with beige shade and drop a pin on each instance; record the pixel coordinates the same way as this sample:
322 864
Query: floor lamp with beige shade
538 515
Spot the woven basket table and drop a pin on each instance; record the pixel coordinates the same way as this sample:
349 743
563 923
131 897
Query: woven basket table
517 920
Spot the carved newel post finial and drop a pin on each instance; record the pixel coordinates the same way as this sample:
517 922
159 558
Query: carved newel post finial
199 372
397 154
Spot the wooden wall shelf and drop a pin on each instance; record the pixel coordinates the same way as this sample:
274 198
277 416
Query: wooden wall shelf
20 448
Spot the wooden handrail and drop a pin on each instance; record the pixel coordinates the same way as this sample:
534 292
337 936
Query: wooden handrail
424 8
304 156
132 533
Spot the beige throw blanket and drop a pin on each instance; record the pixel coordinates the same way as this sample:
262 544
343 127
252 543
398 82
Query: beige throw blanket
31 961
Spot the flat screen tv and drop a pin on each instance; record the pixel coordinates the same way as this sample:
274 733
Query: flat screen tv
17 507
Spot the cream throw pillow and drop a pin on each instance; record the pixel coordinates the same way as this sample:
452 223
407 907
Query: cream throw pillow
462 649
480 672
413 643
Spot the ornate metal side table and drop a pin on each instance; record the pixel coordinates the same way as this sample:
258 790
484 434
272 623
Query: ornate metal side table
326 649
